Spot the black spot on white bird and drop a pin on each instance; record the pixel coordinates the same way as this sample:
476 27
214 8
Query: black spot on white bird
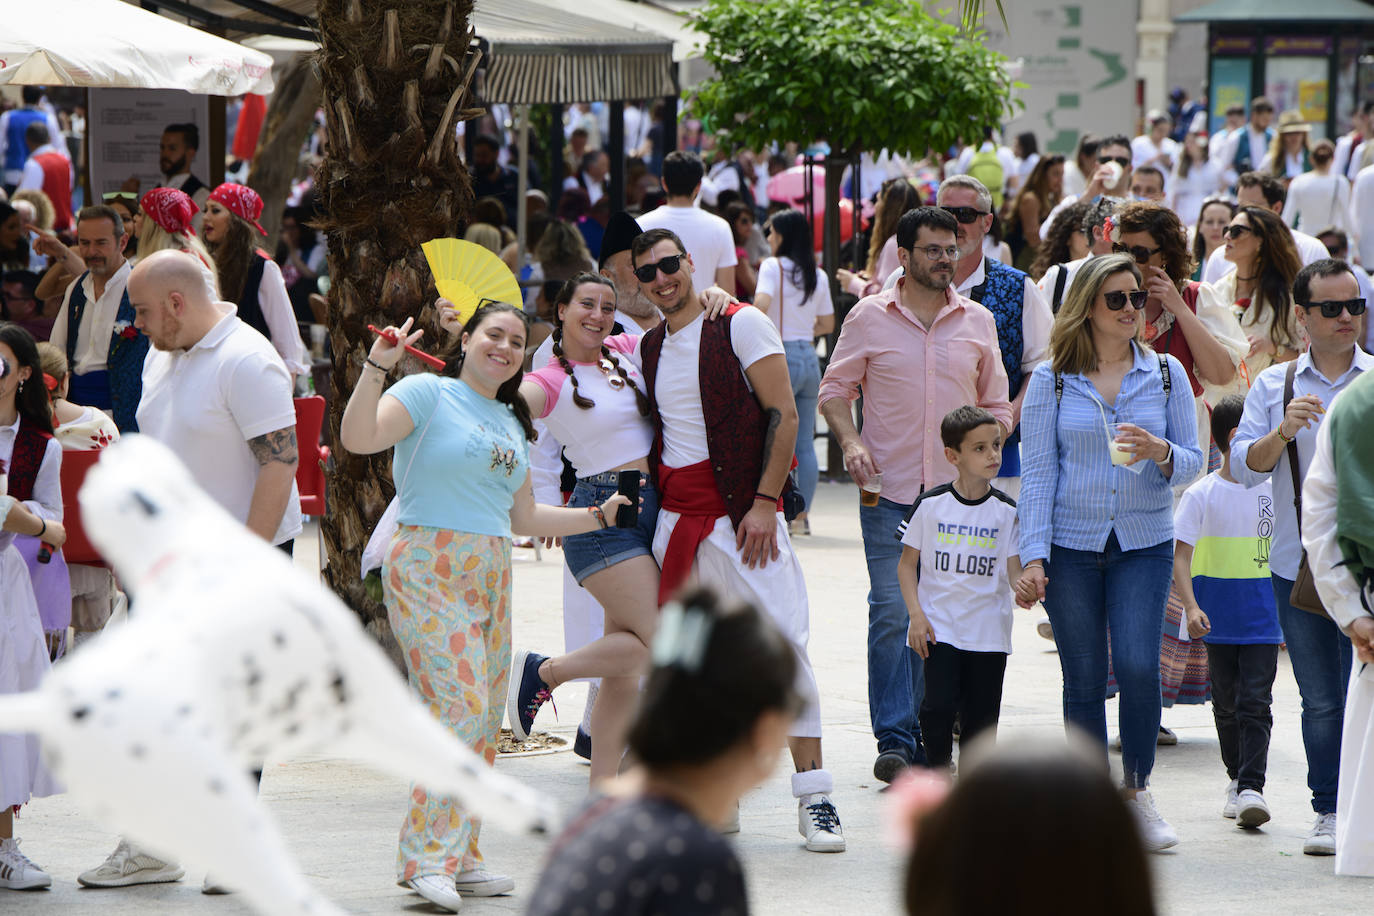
81 712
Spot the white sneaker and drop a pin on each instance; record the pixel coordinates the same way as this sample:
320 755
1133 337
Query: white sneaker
1232 792
1251 809
1321 839
17 871
1155 831
731 824
1045 630
818 822
438 890
128 866
212 887
481 883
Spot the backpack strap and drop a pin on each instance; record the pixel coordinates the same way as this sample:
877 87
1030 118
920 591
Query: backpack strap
1058 389
1059 280
1166 375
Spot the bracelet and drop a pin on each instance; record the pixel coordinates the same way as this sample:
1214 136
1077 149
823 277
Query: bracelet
1038 563
1278 431
1169 456
600 516
44 530
367 360
765 497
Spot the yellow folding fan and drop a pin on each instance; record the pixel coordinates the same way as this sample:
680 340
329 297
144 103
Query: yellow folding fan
465 273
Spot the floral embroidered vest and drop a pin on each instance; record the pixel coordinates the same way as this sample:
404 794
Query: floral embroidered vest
128 347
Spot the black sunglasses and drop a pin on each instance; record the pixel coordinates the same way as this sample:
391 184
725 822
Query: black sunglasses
1140 253
1122 161
1116 301
1236 231
669 265
966 215
1332 307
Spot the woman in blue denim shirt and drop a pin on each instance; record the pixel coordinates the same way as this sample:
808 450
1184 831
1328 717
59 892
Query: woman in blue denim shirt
1097 533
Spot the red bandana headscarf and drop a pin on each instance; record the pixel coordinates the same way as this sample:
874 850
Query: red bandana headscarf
240 200
171 209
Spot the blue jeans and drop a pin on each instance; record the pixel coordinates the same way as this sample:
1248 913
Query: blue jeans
896 678
1321 657
805 371
1126 590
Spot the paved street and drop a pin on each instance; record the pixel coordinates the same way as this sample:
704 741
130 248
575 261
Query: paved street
341 820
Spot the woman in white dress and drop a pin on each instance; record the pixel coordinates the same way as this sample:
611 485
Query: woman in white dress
25 435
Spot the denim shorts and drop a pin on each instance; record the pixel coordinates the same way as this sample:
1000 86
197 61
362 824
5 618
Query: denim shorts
597 550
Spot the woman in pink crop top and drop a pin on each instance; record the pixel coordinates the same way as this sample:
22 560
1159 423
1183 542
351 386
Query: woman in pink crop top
591 397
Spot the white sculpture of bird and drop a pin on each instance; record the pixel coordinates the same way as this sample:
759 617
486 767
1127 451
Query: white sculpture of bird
230 656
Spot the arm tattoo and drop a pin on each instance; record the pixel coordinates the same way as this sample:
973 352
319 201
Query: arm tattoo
278 445
774 420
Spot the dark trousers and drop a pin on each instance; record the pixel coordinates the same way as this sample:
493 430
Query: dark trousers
963 684
1242 691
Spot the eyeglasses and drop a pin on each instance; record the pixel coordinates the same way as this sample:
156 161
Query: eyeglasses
1235 231
966 215
935 252
1122 161
1332 308
1116 301
1140 253
645 273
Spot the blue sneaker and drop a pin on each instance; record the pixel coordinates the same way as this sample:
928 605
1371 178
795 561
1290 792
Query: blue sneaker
527 692
582 745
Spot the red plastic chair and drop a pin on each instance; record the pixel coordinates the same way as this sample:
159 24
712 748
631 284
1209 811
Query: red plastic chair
78 548
310 471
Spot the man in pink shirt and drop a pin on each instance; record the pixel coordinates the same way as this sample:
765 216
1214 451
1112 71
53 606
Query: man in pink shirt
917 351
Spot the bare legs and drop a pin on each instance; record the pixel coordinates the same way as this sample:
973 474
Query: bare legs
806 753
627 591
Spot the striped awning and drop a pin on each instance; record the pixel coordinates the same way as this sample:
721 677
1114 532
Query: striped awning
542 54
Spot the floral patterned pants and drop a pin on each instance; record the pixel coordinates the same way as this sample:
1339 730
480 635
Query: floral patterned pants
448 599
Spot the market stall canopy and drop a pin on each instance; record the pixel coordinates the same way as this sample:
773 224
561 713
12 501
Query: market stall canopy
1280 11
112 44
543 54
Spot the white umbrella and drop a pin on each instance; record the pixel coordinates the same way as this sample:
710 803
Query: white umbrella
109 43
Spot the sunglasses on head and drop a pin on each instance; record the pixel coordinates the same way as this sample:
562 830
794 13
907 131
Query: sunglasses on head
965 215
645 272
1116 301
1235 231
1122 161
1332 308
1140 253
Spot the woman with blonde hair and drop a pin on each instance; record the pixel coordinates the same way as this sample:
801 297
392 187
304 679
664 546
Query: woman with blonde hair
163 221
486 235
898 196
1109 429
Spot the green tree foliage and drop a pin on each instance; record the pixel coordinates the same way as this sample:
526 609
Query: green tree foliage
878 75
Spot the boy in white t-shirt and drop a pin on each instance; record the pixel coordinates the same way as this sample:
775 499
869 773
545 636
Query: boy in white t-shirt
959 559
1221 570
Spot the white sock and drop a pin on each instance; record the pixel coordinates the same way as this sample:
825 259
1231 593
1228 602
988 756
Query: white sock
593 686
812 782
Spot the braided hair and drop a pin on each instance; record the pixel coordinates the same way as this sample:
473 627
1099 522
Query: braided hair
564 297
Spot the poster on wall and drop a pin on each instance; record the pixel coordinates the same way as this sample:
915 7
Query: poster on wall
1230 86
126 127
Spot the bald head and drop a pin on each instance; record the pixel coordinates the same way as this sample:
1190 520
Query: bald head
172 304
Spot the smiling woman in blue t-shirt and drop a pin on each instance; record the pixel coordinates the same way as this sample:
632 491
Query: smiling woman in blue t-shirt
464 487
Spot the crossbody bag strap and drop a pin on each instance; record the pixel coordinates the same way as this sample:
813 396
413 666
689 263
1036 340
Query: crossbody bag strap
1292 449
782 284
1059 279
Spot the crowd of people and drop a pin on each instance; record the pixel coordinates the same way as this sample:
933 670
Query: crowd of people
1093 383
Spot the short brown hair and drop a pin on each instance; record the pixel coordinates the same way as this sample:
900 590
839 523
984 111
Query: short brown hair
1164 227
101 211
649 238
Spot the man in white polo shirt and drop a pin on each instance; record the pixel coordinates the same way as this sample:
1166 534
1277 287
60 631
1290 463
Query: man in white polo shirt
217 394
705 236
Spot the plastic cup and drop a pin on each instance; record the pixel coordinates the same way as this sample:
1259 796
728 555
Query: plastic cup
868 493
1117 172
1121 455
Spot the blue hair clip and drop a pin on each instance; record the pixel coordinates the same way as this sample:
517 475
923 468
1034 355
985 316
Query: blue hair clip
683 633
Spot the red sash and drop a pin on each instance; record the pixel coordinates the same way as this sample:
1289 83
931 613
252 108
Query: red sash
690 491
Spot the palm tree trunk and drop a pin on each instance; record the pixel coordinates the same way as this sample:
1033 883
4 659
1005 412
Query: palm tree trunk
396 77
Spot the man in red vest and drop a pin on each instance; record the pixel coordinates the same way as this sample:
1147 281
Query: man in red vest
49 171
725 428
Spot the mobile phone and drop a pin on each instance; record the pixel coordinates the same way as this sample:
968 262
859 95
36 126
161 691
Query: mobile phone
627 485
